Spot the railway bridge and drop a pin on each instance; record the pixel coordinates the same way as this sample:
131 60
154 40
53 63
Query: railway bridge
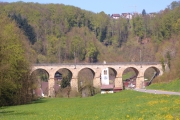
96 68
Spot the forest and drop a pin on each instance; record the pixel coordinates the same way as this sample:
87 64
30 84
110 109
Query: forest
55 33
60 33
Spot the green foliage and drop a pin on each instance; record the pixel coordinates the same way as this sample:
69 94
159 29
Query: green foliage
15 83
40 75
169 60
54 24
92 52
65 82
163 64
174 5
138 27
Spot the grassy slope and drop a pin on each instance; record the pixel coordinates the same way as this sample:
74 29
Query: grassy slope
172 86
119 106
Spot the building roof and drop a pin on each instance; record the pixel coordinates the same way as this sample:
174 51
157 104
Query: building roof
115 15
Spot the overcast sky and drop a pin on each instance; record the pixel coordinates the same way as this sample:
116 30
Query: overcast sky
110 6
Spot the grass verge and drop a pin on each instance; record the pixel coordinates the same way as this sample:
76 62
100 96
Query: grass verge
171 86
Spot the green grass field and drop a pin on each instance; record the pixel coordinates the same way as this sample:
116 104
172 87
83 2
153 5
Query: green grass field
172 86
125 105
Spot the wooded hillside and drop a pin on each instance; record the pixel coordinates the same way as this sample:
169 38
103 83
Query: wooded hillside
60 33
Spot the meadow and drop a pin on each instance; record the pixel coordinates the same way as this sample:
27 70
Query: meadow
125 105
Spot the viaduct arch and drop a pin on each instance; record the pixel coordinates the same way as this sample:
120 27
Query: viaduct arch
118 68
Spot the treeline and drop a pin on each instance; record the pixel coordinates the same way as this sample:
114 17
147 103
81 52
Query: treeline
16 85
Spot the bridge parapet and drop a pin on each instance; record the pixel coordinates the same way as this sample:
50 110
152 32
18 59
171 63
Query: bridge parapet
114 63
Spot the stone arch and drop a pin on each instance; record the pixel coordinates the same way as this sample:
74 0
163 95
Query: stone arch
150 73
112 75
133 68
40 69
85 81
63 73
42 81
88 70
130 81
69 70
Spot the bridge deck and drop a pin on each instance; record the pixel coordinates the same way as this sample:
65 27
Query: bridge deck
118 63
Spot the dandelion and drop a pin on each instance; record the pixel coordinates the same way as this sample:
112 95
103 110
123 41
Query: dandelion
151 103
177 101
169 117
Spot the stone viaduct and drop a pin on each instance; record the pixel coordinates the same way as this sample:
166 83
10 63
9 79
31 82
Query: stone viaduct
96 69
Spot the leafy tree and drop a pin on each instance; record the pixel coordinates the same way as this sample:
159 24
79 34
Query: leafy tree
66 81
144 12
92 53
138 27
15 83
174 4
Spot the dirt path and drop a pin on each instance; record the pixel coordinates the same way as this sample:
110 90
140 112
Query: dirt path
157 91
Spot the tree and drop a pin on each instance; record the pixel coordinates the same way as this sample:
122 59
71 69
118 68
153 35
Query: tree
144 12
15 83
92 53
174 4
163 64
66 81
168 59
138 27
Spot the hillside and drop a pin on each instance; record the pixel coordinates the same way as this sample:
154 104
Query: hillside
53 27
61 33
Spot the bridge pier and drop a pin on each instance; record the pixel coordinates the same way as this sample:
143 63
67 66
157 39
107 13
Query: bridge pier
140 82
51 91
97 82
118 82
74 84
97 79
